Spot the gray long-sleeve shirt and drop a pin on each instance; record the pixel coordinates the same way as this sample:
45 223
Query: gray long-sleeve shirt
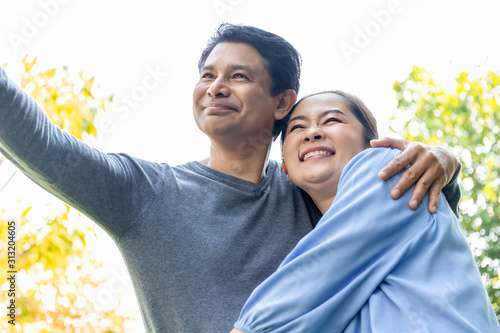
195 241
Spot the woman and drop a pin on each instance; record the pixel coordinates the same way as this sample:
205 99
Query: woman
372 264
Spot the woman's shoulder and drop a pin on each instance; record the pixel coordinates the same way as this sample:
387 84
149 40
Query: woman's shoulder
369 162
375 154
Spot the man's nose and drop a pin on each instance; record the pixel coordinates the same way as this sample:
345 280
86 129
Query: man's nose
218 88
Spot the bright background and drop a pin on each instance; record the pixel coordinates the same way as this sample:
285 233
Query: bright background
357 46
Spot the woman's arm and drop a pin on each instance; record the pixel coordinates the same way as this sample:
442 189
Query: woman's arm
333 270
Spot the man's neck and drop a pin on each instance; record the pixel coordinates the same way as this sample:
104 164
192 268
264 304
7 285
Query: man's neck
249 165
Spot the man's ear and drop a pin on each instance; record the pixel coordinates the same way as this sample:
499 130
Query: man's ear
286 102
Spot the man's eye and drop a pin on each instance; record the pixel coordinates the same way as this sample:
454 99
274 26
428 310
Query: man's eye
207 76
239 76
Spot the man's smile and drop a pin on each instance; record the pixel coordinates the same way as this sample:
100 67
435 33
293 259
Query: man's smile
219 108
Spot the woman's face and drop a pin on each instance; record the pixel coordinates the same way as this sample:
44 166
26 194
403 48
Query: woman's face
321 137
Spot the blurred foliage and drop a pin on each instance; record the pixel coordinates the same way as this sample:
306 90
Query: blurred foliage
466 119
57 271
68 101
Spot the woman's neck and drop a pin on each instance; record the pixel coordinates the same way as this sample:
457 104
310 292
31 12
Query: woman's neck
323 204
322 193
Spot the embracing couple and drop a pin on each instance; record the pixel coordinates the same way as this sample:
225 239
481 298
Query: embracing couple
318 243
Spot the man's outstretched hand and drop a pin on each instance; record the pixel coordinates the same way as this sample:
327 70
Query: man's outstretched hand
431 168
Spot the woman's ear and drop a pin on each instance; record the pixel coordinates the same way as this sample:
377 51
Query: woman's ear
286 102
288 179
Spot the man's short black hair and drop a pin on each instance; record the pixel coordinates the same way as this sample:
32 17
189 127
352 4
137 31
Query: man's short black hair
282 60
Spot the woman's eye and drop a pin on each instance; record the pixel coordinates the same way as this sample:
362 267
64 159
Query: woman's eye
333 119
294 127
239 76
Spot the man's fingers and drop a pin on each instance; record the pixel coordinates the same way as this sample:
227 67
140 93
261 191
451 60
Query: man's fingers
434 193
396 165
389 142
409 178
429 170
423 186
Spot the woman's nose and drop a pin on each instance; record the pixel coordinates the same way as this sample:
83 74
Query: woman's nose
313 133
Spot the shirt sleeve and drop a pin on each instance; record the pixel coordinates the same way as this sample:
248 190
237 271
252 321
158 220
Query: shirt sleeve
331 273
452 192
102 186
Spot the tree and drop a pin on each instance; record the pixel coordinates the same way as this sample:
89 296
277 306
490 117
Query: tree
466 119
58 270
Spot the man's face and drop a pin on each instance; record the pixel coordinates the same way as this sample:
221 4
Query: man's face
232 100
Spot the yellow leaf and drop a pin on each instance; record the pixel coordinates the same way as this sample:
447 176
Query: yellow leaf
50 73
28 65
26 211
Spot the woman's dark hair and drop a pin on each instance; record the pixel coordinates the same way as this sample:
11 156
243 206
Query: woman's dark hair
356 106
282 60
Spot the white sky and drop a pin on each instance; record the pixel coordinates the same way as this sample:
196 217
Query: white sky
122 42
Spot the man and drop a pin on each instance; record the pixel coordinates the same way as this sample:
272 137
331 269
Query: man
196 238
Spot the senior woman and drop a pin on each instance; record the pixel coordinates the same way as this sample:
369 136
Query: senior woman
372 264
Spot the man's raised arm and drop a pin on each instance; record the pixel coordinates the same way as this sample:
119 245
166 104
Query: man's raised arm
94 183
